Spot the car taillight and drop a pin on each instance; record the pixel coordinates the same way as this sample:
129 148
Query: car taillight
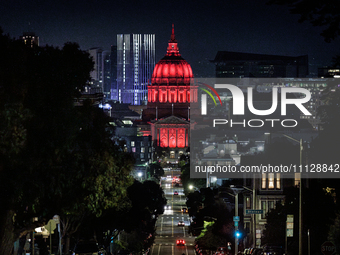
177 241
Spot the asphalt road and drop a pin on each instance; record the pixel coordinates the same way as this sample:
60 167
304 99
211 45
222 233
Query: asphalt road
168 231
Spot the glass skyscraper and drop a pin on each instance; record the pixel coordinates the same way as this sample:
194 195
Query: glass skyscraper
135 63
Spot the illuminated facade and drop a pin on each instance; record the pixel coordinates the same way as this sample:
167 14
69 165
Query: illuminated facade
135 63
170 82
171 132
170 92
169 98
30 39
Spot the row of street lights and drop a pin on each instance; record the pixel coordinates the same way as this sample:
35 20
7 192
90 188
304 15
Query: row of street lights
237 190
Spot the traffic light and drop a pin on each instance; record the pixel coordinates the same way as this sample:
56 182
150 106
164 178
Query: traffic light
238 234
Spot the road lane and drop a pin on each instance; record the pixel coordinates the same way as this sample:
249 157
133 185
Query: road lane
168 231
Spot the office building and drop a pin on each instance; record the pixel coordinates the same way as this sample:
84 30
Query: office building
135 63
112 65
97 72
237 64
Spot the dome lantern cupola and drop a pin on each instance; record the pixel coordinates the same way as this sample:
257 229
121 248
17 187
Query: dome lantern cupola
172 69
172 49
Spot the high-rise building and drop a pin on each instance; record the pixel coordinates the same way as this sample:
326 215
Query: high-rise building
113 72
104 70
238 64
106 73
97 73
30 39
135 63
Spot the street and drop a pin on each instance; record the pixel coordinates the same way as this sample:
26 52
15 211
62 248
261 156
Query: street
168 231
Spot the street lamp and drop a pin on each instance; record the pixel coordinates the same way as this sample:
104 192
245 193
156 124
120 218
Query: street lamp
140 175
236 191
300 193
253 215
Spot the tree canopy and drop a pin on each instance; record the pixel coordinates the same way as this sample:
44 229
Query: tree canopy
56 158
324 14
313 196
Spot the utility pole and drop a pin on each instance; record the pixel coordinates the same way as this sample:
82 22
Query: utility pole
300 192
254 215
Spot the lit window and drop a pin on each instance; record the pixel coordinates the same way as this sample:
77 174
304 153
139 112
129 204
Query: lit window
142 155
132 143
264 181
248 206
142 149
297 179
278 181
271 181
172 154
133 149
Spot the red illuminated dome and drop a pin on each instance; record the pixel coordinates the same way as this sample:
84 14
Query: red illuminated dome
170 81
172 69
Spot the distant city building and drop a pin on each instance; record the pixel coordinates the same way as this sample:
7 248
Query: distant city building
135 63
30 39
328 72
263 95
113 72
94 95
106 74
105 68
97 73
141 147
238 64
316 86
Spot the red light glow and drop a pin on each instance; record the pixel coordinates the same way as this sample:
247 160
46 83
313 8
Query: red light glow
173 137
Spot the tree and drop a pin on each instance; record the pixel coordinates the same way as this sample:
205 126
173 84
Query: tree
55 158
155 170
137 222
334 232
186 180
204 207
100 167
318 13
314 196
208 240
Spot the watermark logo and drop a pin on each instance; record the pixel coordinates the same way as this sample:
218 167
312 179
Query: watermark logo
238 100
204 97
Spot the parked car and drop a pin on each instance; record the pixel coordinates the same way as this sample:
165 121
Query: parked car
86 248
257 251
175 193
222 251
272 250
247 251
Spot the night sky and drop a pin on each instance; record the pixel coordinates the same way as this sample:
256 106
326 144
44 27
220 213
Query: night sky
202 27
